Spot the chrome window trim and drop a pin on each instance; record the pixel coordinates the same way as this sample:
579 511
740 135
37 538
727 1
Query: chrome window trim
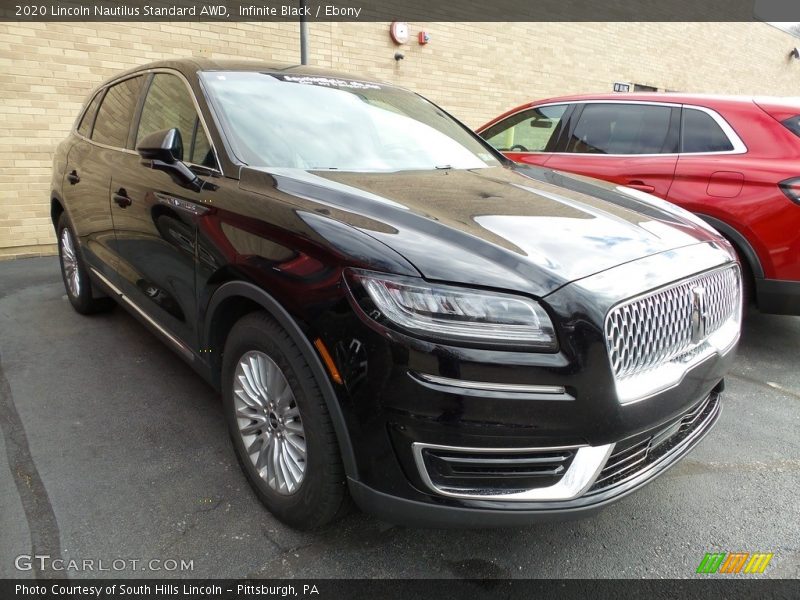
578 478
737 143
94 94
739 146
104 88
519 388
215 170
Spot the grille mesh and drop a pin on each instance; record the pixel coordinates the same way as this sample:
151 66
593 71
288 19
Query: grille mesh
657 328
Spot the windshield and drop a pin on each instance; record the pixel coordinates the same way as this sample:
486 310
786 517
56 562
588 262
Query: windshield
311 122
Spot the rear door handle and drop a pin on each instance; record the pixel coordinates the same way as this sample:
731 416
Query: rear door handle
640 185
73 177
121 198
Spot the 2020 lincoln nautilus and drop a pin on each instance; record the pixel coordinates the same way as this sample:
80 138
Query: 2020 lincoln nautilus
393 311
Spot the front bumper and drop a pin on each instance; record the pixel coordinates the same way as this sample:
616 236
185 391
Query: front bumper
420 414
627 466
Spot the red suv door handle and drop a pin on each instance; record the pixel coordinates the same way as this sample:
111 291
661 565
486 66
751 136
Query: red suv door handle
640 185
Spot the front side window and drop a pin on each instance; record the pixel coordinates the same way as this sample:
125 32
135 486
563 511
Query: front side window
534 130
85 127
169 105
624 129
701 133
322 123
114 118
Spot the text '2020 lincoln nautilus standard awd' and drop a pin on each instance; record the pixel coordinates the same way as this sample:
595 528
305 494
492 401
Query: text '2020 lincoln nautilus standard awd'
390 308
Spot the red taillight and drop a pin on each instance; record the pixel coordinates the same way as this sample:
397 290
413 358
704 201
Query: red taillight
791 187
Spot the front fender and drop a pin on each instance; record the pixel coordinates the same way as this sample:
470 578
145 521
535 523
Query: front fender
242 289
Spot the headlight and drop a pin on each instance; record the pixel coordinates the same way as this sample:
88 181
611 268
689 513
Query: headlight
456 314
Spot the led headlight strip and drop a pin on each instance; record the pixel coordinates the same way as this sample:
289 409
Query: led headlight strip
459 314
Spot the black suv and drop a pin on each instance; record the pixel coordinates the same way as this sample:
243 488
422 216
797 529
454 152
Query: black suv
389 307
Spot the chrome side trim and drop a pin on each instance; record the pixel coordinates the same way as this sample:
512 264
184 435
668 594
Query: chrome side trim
517 388
580 476
183 348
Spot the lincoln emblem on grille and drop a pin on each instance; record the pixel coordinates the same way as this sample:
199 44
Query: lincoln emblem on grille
699 314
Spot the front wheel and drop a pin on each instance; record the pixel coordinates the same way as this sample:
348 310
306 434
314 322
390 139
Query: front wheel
73 272
280 426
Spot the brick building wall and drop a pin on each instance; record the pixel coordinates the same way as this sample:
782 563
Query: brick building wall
475 70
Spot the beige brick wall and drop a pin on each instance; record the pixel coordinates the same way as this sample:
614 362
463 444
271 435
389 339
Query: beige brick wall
475 70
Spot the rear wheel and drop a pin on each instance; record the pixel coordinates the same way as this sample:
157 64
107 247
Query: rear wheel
74 273
280 426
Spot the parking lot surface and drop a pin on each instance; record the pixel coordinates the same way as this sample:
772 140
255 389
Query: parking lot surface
115 450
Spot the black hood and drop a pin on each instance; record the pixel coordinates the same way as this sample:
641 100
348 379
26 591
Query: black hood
529 229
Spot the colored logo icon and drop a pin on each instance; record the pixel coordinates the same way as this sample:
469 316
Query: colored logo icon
734 562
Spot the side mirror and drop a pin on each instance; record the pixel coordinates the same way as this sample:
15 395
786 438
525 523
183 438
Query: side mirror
163 151
165 145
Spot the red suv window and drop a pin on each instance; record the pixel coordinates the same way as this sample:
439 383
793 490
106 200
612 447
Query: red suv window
617 128
701 133
534 130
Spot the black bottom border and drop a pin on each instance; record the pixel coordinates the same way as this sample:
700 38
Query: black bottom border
704 586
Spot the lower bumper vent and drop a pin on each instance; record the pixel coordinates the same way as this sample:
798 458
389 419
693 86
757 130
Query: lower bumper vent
633 456
479 472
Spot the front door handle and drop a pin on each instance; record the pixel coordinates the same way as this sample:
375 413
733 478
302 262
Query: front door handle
640 185
73 177
121 198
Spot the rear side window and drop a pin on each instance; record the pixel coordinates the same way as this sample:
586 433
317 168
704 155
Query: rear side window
114 118
534 130
624 129
792 124
169 105
85 127
701 133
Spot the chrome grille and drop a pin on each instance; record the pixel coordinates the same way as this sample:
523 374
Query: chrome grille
672 322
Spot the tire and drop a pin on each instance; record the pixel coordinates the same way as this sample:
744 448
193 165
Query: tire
278 422
749 300
74 273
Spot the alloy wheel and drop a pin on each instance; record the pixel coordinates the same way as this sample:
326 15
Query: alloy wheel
269 422
69 262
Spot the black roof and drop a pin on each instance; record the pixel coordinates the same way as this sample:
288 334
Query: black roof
190 66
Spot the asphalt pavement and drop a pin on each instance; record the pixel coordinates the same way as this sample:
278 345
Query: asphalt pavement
114 450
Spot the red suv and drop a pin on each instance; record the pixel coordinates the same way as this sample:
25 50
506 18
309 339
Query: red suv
733 161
